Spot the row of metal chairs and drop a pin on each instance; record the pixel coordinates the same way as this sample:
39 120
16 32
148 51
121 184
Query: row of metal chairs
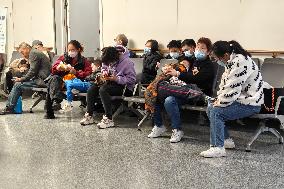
271 68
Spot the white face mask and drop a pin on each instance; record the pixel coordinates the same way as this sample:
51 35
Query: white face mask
72 54
174 55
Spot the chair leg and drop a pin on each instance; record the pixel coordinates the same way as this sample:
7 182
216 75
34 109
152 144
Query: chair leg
262 128
40 98
142 120
277 134
255 136
3 94
34 95
139 113
240 122
120 109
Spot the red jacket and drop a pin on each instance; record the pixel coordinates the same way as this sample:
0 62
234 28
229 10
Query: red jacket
82 70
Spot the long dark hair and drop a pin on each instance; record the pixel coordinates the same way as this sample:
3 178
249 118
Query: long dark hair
109 55
154 45
80 58
220 48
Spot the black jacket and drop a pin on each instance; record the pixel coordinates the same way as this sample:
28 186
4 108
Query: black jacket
149 67
204 78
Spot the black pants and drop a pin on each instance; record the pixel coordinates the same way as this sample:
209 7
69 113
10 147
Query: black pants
105 92
54 93
9 82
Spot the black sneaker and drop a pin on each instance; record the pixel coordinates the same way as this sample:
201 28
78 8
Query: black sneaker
56 106
6 110
49 116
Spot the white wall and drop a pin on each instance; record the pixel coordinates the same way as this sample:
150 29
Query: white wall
256 24
29 20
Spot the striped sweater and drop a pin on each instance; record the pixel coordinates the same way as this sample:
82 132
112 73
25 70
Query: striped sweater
241 82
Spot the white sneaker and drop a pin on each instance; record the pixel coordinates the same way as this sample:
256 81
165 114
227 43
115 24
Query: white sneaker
67 107
157 131
87 120
229 143
214 152
104 117
105 123
176 136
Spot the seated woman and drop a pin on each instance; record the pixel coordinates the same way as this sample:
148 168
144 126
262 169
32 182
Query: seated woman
151 91
202 75
75 85
151 60
118 71
240 94
71 67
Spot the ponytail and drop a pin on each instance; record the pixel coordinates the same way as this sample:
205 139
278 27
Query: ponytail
220 48
238 49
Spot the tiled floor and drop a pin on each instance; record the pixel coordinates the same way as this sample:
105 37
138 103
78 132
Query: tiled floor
38 153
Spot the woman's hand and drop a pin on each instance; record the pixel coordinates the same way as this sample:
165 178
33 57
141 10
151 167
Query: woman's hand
171 72
195 71
17 79
111 78
216 103
158 65
72 71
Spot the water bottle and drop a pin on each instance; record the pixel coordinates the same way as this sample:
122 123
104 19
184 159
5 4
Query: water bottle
18 108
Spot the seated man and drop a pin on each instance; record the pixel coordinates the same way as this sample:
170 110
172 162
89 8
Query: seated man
174 47
17 68
188 47
121 39
37 44
38 72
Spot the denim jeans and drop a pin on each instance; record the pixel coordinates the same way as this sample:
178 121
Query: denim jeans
219 115
75 84
16 92
226 131
172 105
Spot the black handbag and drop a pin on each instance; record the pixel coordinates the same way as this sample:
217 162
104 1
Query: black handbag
185 92
270 99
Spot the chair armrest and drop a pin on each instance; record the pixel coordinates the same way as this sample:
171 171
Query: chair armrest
124 89
279 99
141 87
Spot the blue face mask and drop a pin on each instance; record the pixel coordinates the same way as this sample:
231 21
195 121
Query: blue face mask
174 55
221 63
188 54
147 50
199 55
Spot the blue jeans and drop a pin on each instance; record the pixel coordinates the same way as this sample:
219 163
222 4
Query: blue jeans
16 92
219 115
75 84
172 105
226 131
